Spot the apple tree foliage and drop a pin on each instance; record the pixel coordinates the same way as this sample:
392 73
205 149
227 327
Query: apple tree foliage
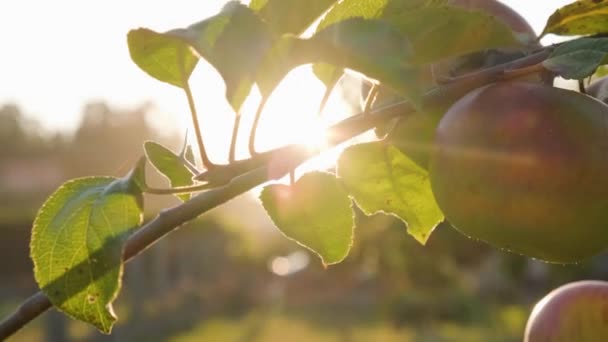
80 233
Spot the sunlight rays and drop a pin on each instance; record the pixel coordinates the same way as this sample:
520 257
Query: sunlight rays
290 116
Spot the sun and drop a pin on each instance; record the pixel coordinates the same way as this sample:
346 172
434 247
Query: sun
291 115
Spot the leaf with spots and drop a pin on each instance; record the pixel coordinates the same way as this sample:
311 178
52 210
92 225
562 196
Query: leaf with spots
382 179
77 243
315 212
580 18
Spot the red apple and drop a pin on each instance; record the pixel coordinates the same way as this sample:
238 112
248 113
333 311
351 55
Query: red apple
522 166
576 312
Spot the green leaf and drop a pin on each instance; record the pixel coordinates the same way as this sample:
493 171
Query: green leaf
578 59
371 47
169 165
233 41
583 17
372 9
164 56
438 32
290 16
366 9
402 6
315 212
347 9
77 243
382 179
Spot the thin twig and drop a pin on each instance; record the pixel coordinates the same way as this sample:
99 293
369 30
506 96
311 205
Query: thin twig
178 189
371 97
516 73
581 86
197 130
207 164
233 140
254 126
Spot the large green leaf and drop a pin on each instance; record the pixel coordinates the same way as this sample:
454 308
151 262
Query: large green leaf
164 56
382 179
578 59
169 165
346 9
372 47
373 9
77 243
233 41
438 32
367 9
290 16
315 212
583 17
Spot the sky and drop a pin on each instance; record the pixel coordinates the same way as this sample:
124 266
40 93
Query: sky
58 55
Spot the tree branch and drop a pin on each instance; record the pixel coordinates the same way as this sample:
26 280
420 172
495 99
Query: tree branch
242 176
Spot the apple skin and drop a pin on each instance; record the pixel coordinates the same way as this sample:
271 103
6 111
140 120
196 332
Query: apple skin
575 312
522 166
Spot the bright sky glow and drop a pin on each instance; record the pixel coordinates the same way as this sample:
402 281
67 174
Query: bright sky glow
58 55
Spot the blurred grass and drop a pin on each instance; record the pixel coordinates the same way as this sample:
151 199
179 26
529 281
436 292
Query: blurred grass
277 327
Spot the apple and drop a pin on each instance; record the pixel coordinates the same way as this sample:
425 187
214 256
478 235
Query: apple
522 166
575 312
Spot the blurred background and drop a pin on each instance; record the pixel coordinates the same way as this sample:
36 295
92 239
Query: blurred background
72 104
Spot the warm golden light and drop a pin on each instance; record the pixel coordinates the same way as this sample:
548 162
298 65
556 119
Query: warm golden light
290 115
